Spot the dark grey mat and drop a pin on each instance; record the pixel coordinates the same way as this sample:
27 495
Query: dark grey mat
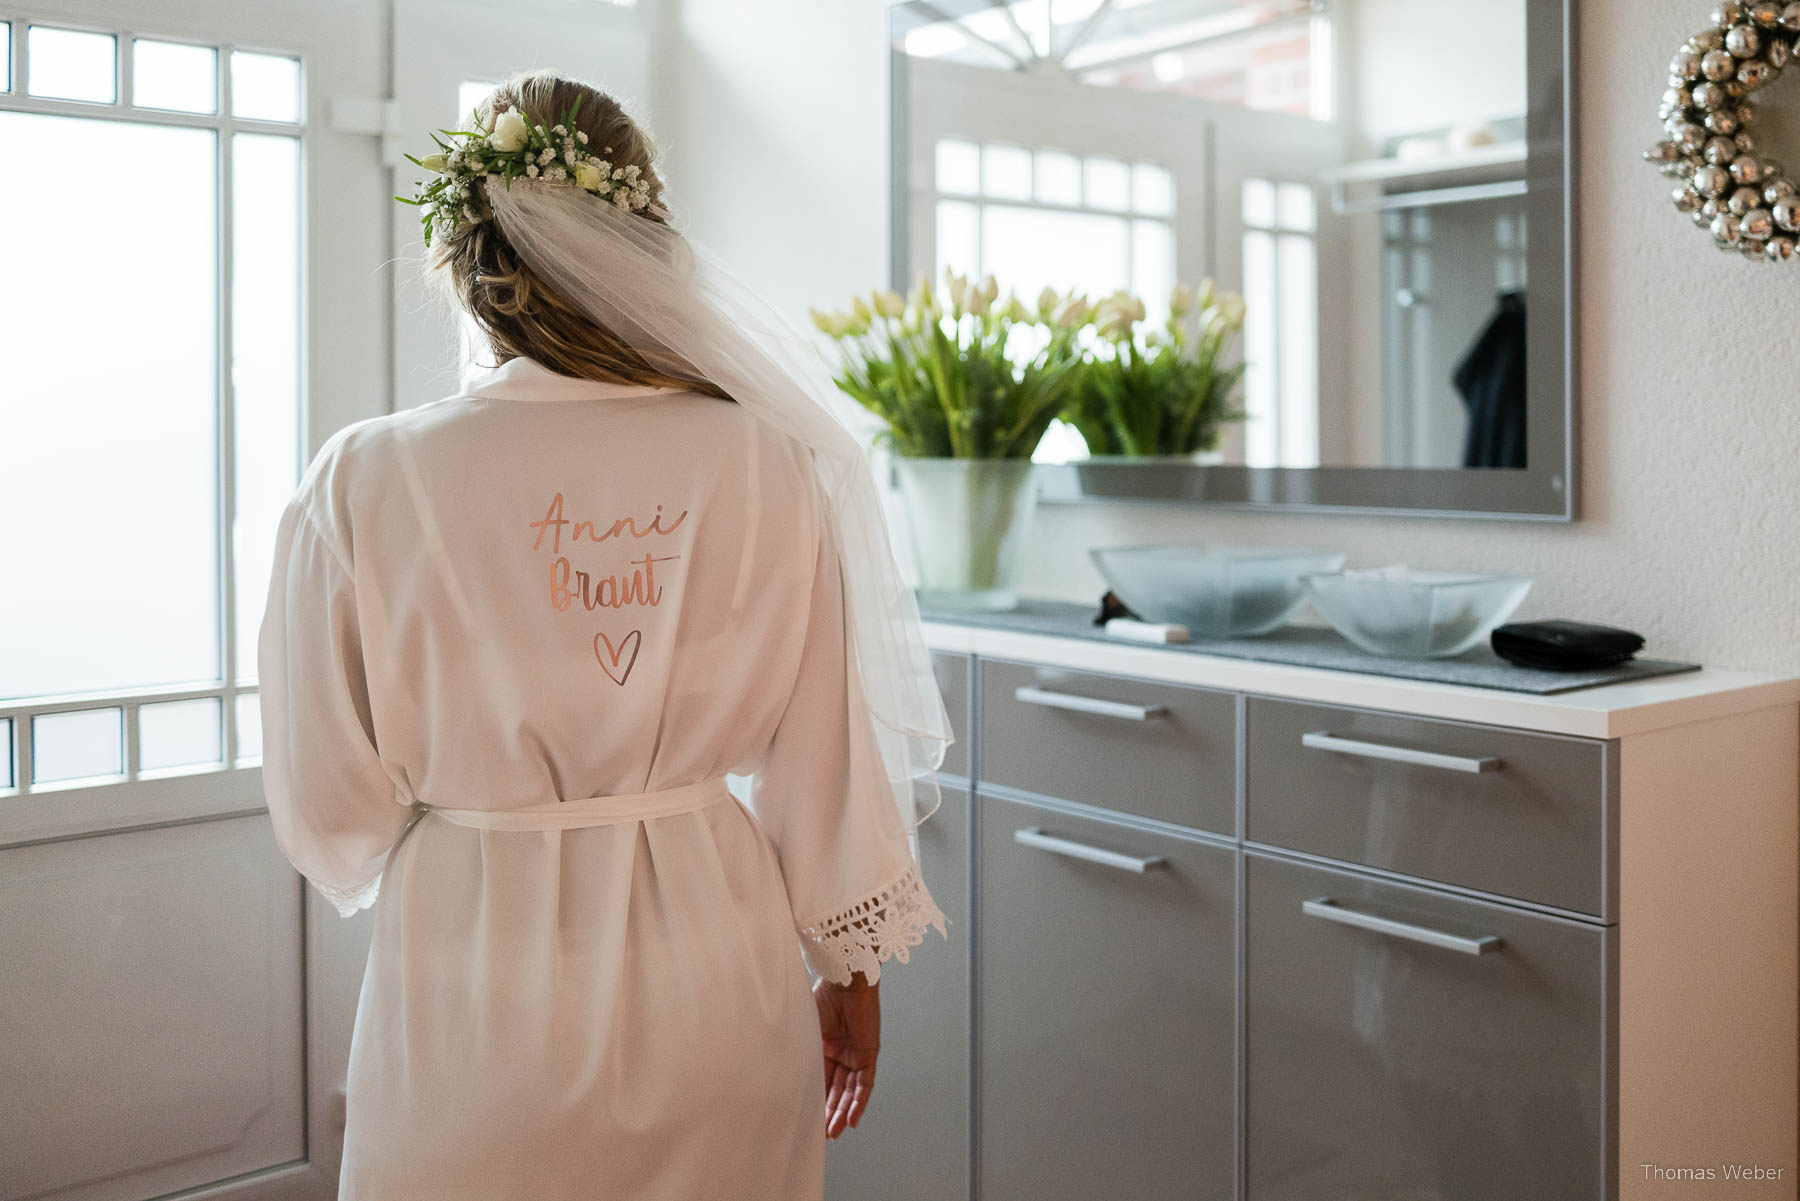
1309 646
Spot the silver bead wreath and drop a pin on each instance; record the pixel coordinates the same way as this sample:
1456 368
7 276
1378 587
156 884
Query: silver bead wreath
1746 200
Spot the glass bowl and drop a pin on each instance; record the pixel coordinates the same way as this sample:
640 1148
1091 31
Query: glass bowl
1416 615
1216 592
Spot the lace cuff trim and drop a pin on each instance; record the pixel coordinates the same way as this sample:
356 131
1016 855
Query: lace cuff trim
869 933
350 901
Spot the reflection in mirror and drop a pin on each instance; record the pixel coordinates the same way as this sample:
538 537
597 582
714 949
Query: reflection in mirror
1358 169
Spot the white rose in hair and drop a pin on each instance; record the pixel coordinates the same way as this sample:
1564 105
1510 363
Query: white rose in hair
510 131
590 176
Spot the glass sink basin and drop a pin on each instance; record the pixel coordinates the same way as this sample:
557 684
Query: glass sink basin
1418 614
1216 591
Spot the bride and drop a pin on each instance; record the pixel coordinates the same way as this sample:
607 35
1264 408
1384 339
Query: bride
592 970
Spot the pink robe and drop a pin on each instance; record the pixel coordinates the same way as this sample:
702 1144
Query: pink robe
551 597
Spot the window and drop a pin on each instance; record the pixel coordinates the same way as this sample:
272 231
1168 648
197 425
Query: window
1047 218
998 206
1281 325
151 423
1267 55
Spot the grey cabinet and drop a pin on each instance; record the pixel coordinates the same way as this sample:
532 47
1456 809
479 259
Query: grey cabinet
1142 999
913 1141
1158 750
1104 1000
952 672
1503 811
1404 1043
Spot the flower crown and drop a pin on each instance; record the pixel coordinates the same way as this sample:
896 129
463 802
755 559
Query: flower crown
513 148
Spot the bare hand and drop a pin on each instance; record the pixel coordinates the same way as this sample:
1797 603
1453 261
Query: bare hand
850 1027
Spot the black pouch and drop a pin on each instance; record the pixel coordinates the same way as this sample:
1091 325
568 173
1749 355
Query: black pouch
1564 645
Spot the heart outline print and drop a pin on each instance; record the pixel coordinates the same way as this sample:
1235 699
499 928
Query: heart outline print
634 640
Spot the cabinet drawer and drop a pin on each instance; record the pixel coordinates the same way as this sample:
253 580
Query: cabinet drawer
1156 750
1105 1001
1382 1066
1518 814
952 672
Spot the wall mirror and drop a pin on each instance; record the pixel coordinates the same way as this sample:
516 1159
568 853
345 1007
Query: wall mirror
1387 182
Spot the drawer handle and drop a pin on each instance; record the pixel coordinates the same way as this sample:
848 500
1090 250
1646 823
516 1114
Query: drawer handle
1086 704
1322 740
1331 911
1033 836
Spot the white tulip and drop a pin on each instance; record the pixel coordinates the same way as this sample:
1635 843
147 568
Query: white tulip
958 287
439 163
1071 313
921 296
1113 322
510 131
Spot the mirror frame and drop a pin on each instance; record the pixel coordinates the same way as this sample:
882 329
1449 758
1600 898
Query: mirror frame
1543 491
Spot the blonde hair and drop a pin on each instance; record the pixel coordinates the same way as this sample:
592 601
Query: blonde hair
518 313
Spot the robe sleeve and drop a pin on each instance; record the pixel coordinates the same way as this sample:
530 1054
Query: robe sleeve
335 810
854 887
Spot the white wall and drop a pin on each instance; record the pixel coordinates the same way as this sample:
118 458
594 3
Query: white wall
1690 446
772 120
1397 53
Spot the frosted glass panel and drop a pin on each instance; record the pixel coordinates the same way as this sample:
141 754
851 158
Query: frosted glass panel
958 167
6 753
1152 191
1092 252
5 57
67 65
1299 353
1259 202
1294 206
1153 267
249 726
265 369
1006 172
1058 178
75 746
175 76
1262 447
265 87
1108 184
179 734
108 431
957 223
469 95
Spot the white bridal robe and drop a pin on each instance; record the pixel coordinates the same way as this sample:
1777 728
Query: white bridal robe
514 641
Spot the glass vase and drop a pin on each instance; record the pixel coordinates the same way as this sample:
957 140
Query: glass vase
969 519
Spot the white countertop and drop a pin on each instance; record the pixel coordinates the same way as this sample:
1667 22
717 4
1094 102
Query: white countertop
1609 711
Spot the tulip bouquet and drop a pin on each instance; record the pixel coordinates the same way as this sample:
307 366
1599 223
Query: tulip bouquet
1168 390
946 372
967 386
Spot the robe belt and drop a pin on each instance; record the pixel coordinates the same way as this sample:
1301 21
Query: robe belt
590 811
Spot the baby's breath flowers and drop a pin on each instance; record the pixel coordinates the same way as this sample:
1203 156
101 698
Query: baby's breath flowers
511 147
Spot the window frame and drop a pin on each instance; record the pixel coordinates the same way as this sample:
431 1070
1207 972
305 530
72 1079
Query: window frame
982 201
233 784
